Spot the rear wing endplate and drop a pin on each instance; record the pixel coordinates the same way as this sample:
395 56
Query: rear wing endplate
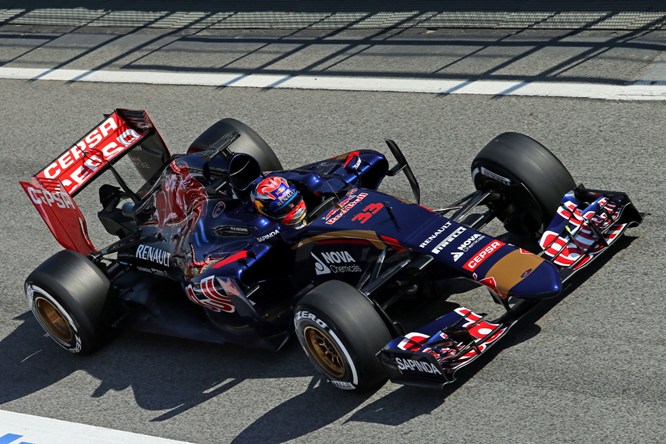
61 214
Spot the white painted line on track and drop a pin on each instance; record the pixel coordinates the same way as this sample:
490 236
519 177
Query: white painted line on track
18 428
634 91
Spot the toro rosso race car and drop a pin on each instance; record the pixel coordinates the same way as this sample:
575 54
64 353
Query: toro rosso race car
223 244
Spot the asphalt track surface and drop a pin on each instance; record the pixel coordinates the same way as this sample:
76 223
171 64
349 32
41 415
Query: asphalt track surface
587 368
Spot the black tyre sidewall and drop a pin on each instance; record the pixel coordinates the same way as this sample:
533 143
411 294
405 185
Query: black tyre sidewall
346 316
80 289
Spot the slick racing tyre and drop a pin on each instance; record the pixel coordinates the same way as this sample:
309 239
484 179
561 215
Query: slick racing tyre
528 182
249 142
341 332
68 295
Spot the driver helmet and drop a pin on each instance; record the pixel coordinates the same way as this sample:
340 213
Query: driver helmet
277 199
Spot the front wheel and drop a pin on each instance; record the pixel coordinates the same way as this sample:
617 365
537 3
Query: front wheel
528 180
69 297
341 332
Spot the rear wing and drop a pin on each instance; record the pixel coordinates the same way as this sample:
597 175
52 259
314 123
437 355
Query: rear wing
51 190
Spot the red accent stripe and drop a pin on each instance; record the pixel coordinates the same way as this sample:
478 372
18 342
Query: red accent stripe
391 241
350 156
233 258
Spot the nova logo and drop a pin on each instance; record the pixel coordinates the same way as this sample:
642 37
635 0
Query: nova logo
466 246
337 257
335 262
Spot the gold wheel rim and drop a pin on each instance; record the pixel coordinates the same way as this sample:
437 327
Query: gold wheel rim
54 320
325 352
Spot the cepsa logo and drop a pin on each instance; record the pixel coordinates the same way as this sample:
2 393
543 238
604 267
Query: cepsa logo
44 197
79 163
484 254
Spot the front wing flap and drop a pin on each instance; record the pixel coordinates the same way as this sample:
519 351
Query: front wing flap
586 224
432 355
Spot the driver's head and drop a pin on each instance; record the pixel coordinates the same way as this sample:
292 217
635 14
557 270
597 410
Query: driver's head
277 199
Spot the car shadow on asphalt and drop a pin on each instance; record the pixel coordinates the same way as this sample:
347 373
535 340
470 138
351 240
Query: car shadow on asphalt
314 408
164 373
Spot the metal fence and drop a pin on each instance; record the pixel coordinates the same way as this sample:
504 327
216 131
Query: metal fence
326 14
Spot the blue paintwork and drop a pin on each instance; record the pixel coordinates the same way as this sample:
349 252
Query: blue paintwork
276 261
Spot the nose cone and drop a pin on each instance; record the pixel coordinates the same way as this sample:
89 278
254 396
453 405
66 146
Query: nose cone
525 275
541 282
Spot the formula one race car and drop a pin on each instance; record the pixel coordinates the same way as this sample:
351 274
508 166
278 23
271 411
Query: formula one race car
224 245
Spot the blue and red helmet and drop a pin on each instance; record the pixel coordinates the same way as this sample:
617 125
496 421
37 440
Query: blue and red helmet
277 199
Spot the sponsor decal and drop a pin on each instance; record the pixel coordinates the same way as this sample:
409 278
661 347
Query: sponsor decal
484 254
457 232
466 246
344 385
435 234
233 230
344 207
153 271
486 172
350 195
152 254
44 197
304 314
417 366
470 242
526 273
267 236
335 262
78 164
219 208
207 295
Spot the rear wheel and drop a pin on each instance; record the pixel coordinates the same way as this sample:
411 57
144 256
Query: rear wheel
341 332
528 182
249 142
69 297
